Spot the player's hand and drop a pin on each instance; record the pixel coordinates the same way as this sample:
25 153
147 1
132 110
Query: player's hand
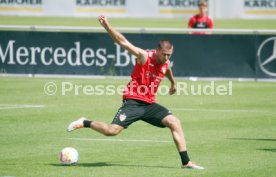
103 20
172 89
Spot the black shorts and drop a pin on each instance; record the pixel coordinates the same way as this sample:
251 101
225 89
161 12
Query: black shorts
134 110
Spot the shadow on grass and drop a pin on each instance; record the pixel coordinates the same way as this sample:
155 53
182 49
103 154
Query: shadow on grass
253 139
258 139
98 164
106 164
269 150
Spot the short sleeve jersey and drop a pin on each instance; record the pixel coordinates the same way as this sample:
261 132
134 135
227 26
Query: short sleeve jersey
145 79
199 22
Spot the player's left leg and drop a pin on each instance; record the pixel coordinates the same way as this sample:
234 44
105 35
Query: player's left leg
160 116
174 125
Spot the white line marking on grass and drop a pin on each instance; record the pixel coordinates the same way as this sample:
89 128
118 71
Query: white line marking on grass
18 106
120 140
217 110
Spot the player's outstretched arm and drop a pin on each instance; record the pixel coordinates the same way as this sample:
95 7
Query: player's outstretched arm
169 75
122 41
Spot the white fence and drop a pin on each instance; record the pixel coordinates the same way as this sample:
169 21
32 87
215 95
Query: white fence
256 9
136 30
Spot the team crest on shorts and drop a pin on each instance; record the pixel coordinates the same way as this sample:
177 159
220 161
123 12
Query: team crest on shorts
164 70
122 117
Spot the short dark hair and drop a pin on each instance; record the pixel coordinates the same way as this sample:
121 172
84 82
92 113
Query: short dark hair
165 44
202 3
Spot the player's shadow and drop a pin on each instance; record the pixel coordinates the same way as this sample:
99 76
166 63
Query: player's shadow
253 139
258 139
268 150
106 164
121 165
97 164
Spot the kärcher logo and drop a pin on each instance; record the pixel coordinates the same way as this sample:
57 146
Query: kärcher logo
20 2
260 4
114 3
178 3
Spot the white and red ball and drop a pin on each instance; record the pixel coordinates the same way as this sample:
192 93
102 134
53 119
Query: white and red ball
69 156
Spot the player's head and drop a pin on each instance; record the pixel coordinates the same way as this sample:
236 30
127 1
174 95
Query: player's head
164 51
203 7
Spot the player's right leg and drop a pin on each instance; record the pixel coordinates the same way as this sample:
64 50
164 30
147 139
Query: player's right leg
101 127
106 129
128 113
76 124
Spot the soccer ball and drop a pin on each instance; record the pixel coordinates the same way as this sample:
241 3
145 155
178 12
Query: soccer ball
69 156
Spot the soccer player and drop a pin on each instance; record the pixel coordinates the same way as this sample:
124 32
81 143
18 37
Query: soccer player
139 96
201 20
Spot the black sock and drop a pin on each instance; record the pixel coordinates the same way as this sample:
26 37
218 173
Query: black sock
184 157
86 123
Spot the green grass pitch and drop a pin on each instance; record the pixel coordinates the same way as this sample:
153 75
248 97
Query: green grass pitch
228 135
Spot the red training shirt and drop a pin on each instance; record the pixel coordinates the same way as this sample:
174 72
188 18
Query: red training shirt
145 79
201 22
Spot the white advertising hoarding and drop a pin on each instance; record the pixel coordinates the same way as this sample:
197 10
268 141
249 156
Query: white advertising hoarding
21 7
252 9
259 8
88 8
118 8
139 8
135 8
